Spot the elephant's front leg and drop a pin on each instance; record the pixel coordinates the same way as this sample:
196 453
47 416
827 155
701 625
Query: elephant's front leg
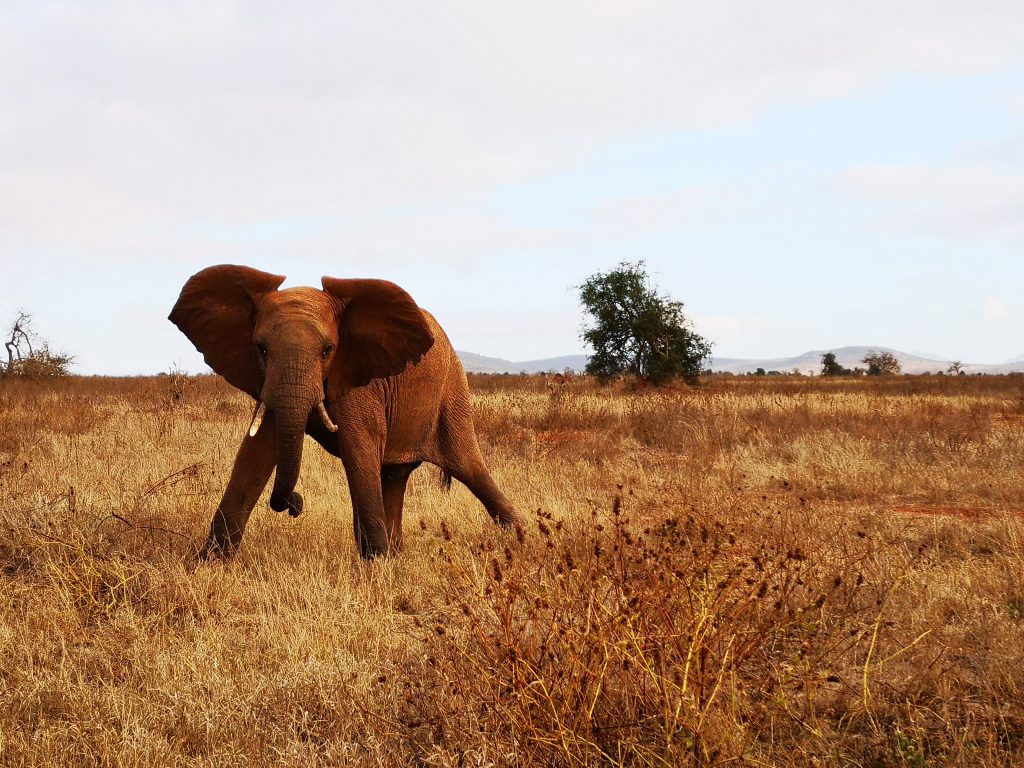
394 478
368 519
253 466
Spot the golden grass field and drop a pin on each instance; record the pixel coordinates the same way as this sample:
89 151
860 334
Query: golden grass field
759 571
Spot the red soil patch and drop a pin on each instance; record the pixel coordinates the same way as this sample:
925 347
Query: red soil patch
963 513
1015 419
550 438
560 436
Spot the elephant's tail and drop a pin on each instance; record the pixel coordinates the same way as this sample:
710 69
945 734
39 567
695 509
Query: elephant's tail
444 479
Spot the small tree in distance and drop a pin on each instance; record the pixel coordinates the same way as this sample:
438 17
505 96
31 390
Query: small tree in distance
29 355
831 367
882 363
638 331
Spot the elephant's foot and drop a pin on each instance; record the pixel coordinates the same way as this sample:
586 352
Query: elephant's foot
369 550
294 504
503 513
226 531
372 543
371 553
217 550
506 518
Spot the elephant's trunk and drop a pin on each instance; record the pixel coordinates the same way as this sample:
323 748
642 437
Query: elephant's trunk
291 396
291 429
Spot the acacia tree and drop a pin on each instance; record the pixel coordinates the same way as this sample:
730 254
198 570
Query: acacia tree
882 363
29 355
638 331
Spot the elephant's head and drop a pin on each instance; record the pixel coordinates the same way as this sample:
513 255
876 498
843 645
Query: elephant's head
282 347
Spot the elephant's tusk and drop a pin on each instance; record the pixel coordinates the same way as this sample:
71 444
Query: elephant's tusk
327 419
257 420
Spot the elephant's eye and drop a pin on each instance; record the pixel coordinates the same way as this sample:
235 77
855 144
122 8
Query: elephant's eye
261 348
328 348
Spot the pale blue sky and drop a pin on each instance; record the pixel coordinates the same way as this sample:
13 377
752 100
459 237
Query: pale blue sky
801 177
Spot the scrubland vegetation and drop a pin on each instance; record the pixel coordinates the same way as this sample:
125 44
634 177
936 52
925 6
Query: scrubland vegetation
760 571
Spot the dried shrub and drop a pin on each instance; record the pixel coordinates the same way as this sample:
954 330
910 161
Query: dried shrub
663 644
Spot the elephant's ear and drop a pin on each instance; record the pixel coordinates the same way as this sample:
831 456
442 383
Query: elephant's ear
380 328
217 311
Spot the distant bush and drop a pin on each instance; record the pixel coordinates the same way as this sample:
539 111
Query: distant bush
29 356
42 363
882 363
831 367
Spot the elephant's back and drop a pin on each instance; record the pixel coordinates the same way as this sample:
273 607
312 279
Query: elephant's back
441 350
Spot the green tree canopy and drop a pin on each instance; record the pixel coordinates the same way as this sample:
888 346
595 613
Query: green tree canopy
635 330
831 367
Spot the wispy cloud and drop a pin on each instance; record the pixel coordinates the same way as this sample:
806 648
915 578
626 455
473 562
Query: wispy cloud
689 205
727 330
979 202
123 126
999 312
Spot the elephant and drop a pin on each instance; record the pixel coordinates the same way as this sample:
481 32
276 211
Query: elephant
359 367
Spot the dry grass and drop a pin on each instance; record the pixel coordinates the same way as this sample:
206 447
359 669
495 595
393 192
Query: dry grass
758 572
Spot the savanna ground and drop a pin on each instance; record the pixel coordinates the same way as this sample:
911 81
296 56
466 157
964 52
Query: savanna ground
760 571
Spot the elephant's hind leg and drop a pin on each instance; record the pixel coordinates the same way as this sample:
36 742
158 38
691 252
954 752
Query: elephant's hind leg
393 480
252 469
461 458
476 477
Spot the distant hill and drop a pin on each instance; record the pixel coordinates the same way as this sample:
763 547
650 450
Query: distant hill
851 357
474 363
808 362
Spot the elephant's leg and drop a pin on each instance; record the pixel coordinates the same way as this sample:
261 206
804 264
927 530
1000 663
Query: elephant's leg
471 471
368 519
460 457
252 469
393 479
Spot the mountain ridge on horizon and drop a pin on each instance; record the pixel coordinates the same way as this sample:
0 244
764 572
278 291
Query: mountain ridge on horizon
807 362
